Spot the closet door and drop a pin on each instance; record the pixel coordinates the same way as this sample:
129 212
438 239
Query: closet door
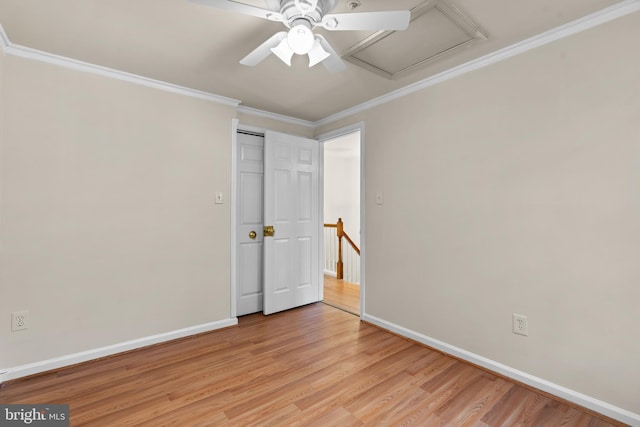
291 210
249 237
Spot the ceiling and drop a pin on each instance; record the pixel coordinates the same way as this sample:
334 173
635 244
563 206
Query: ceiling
196 46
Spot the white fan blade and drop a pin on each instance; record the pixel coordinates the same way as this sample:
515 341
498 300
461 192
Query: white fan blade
388 20
261 52
273 4
333 63
246 9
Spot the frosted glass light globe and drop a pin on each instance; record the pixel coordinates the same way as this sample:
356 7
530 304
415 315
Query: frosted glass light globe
300 39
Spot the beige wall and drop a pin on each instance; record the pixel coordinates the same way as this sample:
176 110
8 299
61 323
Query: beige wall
2 60
515 188
109 227
275 125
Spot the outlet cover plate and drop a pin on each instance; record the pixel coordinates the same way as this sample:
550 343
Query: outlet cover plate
19 320
520 324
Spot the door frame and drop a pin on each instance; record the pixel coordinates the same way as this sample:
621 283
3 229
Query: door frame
322 138
325 137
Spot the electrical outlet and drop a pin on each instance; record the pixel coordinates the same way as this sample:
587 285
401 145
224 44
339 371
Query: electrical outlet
19 320
520 325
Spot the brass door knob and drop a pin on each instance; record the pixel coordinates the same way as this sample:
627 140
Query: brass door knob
269 230
253 235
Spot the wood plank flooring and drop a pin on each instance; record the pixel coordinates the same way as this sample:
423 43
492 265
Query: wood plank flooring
312 366
342 294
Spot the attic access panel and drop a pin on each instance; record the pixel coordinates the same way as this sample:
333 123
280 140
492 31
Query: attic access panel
437 28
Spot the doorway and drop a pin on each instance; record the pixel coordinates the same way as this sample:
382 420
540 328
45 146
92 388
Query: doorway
341 196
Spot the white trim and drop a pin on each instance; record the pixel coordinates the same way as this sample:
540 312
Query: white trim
597 18
363 219
4 39
254 129
84 356
557 390
329 273
274 116
62 61
321 252
355 127
234 212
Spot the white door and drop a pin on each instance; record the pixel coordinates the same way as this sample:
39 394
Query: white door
249 237
291 206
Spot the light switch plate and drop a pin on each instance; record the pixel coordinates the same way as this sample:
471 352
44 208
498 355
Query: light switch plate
219 198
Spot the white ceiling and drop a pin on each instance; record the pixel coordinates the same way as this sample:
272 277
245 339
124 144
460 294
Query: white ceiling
191 45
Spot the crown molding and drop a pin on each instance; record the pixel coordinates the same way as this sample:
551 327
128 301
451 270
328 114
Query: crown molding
10 48
618 10
275 116
4 39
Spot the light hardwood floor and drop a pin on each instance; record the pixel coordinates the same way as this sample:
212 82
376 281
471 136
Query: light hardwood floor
342 294
312 366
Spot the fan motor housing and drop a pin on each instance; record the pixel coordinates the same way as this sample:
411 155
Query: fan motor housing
291 13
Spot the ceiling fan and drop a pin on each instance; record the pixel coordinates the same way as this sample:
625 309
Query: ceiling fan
301 17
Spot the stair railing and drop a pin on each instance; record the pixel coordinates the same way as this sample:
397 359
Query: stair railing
334 253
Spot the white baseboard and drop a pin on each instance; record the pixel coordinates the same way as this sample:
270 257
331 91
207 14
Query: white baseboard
330 273
583 400
84 356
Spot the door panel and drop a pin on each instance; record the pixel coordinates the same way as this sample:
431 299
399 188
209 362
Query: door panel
250 279
291 205
282 195
304 261
250 179
281 256
305 190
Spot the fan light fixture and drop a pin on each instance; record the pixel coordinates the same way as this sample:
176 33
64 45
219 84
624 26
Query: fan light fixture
300 40
317 54
306 6
301 17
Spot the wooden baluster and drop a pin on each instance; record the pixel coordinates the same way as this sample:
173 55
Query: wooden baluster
339 265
